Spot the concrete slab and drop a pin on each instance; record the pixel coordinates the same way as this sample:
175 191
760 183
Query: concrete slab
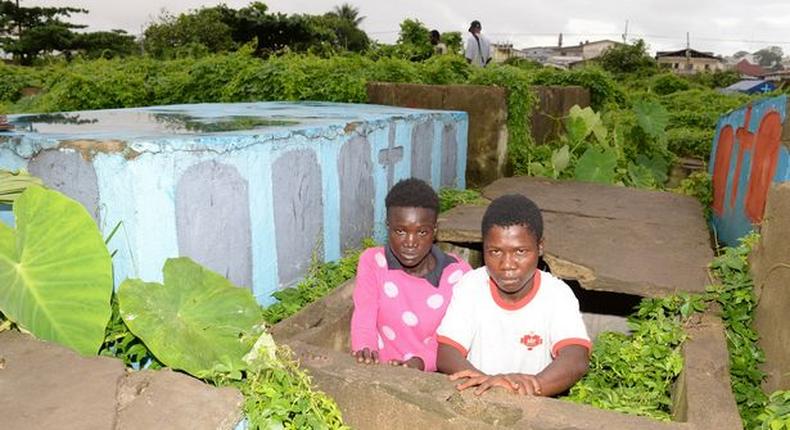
166 399
609 238
386 397
46 386
770 264
43 385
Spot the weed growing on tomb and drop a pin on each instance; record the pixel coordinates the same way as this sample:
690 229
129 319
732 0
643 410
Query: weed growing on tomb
452 197
699 186
120 343
734 293
776 415
634 373
320 280
281 396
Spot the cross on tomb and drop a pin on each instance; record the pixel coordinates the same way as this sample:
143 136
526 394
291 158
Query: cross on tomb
765 88
388 157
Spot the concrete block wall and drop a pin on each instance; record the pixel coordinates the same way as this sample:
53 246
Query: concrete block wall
488 116
253 191
751 151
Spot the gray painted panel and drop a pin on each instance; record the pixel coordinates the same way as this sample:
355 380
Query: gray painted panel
70 174
213 220
421 143
449 155
298 212
356 192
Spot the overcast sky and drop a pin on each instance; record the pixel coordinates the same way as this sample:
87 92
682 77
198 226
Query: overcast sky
721 26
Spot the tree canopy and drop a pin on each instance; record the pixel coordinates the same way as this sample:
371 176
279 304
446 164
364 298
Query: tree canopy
29 32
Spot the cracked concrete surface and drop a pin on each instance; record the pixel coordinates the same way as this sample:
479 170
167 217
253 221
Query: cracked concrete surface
609 238
43 386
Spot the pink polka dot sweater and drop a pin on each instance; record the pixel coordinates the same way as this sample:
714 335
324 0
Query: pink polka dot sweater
397 314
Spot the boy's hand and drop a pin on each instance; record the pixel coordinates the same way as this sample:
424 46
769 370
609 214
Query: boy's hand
516 383
480 380
414 363
366 356
524 384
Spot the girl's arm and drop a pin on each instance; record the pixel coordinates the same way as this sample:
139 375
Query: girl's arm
363 321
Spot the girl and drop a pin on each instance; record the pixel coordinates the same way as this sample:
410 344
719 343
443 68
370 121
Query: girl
403 288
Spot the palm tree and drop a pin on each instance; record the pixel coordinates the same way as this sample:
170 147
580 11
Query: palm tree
349 13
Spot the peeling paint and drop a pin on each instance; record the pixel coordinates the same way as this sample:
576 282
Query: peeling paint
314 183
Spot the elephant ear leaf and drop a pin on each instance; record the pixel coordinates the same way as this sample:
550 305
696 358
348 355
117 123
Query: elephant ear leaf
196 321
55 271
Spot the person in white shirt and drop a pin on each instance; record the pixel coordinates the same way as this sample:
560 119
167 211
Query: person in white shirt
478 49
509 324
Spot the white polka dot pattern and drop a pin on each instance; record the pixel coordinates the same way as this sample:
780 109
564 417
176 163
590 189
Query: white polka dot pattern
390 289
381 342
408 356
435 301
381 260
455 276
410 319
388 332
427 340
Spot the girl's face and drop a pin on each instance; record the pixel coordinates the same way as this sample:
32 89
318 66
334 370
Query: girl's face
511 255
410 233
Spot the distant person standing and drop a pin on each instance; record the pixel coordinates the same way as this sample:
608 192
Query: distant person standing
439 48
478 49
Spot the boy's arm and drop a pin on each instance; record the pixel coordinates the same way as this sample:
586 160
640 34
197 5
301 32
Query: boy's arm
449 360
567 368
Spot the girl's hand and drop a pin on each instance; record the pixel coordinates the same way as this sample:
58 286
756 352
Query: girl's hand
414 363
366 356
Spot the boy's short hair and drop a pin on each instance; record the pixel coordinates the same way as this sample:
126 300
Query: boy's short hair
412 193
513 209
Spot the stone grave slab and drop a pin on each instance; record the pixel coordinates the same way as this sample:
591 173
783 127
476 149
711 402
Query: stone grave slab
388 397
43 385
609 238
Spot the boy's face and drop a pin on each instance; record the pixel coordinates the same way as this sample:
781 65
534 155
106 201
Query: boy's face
511 255
410 233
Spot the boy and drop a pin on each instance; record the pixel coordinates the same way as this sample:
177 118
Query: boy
510 324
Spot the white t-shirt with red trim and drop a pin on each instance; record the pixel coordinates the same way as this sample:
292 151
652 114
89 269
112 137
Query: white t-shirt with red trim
502 337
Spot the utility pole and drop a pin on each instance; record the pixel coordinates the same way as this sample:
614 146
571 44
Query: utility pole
688 51
625 33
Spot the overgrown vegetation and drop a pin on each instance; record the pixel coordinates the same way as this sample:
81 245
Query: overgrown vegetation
634 373
321 278
452 197
734 293
197 321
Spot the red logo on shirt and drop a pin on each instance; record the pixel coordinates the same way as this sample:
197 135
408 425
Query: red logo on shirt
531 340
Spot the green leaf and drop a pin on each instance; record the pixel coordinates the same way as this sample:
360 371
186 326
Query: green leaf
197 321
582 122
55 271
658 166
560 158
651 117
640 176
597 165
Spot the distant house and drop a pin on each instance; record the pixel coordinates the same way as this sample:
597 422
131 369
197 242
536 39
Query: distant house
750 86
588 50
780 78
748 69
541 54
689 61
502 51
566 57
